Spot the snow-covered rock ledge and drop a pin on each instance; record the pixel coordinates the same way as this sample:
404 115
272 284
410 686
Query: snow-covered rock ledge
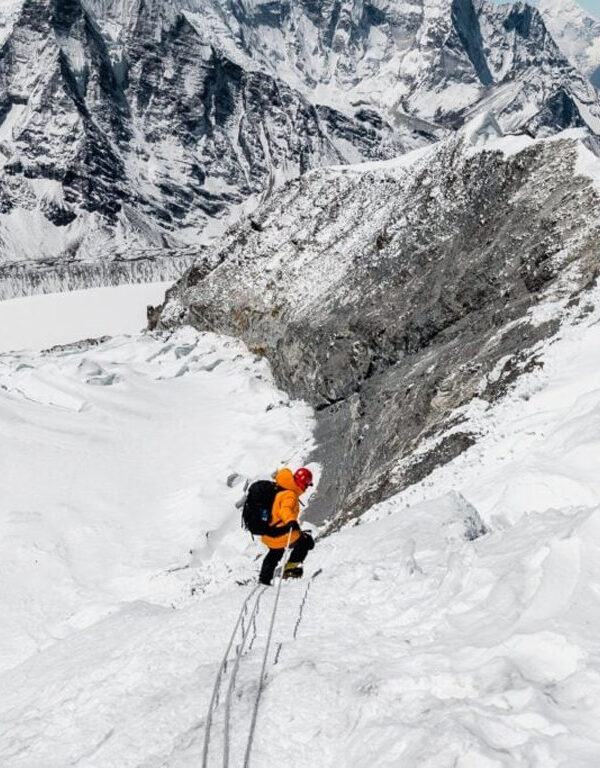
386 294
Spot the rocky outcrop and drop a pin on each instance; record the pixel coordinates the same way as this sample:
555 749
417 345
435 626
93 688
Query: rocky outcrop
389 296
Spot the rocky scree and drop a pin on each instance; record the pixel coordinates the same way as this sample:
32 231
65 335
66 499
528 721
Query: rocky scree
387 296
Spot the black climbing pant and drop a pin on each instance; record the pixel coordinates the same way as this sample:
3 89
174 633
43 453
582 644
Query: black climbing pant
297 555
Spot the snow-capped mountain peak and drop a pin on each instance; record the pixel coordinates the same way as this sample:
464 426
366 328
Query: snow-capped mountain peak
577 31
132 133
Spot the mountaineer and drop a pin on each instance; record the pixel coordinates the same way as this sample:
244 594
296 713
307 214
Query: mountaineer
272 509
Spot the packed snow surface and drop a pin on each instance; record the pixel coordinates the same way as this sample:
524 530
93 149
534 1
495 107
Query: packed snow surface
456 627
121 463
40 322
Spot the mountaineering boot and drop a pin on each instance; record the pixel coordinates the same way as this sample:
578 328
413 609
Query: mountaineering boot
293 571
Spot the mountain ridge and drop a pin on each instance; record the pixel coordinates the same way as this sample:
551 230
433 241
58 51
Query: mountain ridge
128 127
577 32
389 324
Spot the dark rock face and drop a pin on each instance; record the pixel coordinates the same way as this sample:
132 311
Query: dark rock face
466 23
83 159
388 297
561 110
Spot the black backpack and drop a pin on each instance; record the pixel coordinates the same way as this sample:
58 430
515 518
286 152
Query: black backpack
256 514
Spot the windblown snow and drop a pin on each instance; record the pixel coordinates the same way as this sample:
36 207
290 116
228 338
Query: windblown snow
457 625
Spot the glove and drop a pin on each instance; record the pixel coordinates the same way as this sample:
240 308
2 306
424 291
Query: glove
280 530
310 542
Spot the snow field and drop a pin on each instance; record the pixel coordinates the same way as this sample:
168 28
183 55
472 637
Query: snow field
455 627
415 646
116 469
39 322
422 649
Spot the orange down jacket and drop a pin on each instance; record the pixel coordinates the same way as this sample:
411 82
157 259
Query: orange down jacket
286 508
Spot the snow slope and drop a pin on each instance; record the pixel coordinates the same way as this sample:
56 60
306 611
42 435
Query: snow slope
456 626
39 322
120 465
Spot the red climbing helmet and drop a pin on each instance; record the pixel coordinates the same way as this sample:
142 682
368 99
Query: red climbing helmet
303 478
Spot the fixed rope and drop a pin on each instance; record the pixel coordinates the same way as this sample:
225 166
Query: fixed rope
300 615
232 678
261 681
220 673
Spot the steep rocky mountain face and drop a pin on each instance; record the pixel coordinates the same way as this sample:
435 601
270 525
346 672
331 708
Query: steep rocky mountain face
438 60
576 32
395 295
113 156
133 131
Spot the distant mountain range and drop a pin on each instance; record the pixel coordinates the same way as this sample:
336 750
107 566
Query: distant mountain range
133 131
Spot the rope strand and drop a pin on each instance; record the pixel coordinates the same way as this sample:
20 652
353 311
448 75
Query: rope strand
261 680
222 667
232 679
